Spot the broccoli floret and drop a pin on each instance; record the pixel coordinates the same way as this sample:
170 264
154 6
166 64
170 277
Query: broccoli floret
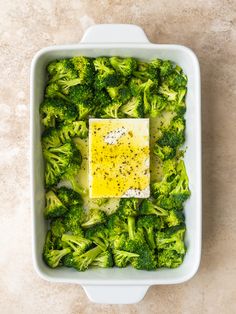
174 218
60 69
128 210
53 90
82 262
55 137
103 260
177 79
71 175
133 108
169 259
84 109
83 73
56 110
80 93
167 92
149 208
164 152
73 219
157 105
51 256
74 129
166 67
149 224
142 69
124 66
94 217
148 91
68 260
118 242
101 100
172 239
181 191
73 167
85 68
106 75
116 225
160 190
121 93
112 110
57 227
57 160
78 244
54 207
123 258
174 135
99 235
136 86
69 197
147 259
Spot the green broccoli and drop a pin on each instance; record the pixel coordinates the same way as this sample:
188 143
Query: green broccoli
116 225
57 160
124 66
57 227
99 234
128 210
78 244
149 224
181 191
147 259
73 219
80 93
54 137
123 258
121 93
167 92
172 239
166 67
85 68
54 207
69 197
133 108
157 105
94 217
174 135
169 259
82 262
112 110
103 260
174 218
149 208
61 69
164 152
106 76
54 110
51 256
53 90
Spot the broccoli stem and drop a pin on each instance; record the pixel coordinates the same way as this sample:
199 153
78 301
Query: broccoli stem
131 227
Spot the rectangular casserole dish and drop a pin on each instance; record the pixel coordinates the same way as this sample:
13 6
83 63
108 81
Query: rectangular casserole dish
120 285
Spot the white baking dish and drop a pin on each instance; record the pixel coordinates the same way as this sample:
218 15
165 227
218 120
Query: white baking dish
120 285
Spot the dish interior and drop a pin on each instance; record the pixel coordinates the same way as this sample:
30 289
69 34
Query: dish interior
187 60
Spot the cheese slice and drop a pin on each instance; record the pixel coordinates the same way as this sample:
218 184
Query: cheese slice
119 158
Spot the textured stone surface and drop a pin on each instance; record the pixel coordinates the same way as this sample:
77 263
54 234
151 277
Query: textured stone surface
208 27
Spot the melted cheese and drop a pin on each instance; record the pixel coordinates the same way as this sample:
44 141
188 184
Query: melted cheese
119 158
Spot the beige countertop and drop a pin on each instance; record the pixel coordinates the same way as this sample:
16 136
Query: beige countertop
208 27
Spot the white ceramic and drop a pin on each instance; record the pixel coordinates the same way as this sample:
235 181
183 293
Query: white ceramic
120 286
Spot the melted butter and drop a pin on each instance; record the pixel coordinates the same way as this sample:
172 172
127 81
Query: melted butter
122 164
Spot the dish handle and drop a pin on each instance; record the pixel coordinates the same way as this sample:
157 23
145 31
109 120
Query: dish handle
115 294
114 33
